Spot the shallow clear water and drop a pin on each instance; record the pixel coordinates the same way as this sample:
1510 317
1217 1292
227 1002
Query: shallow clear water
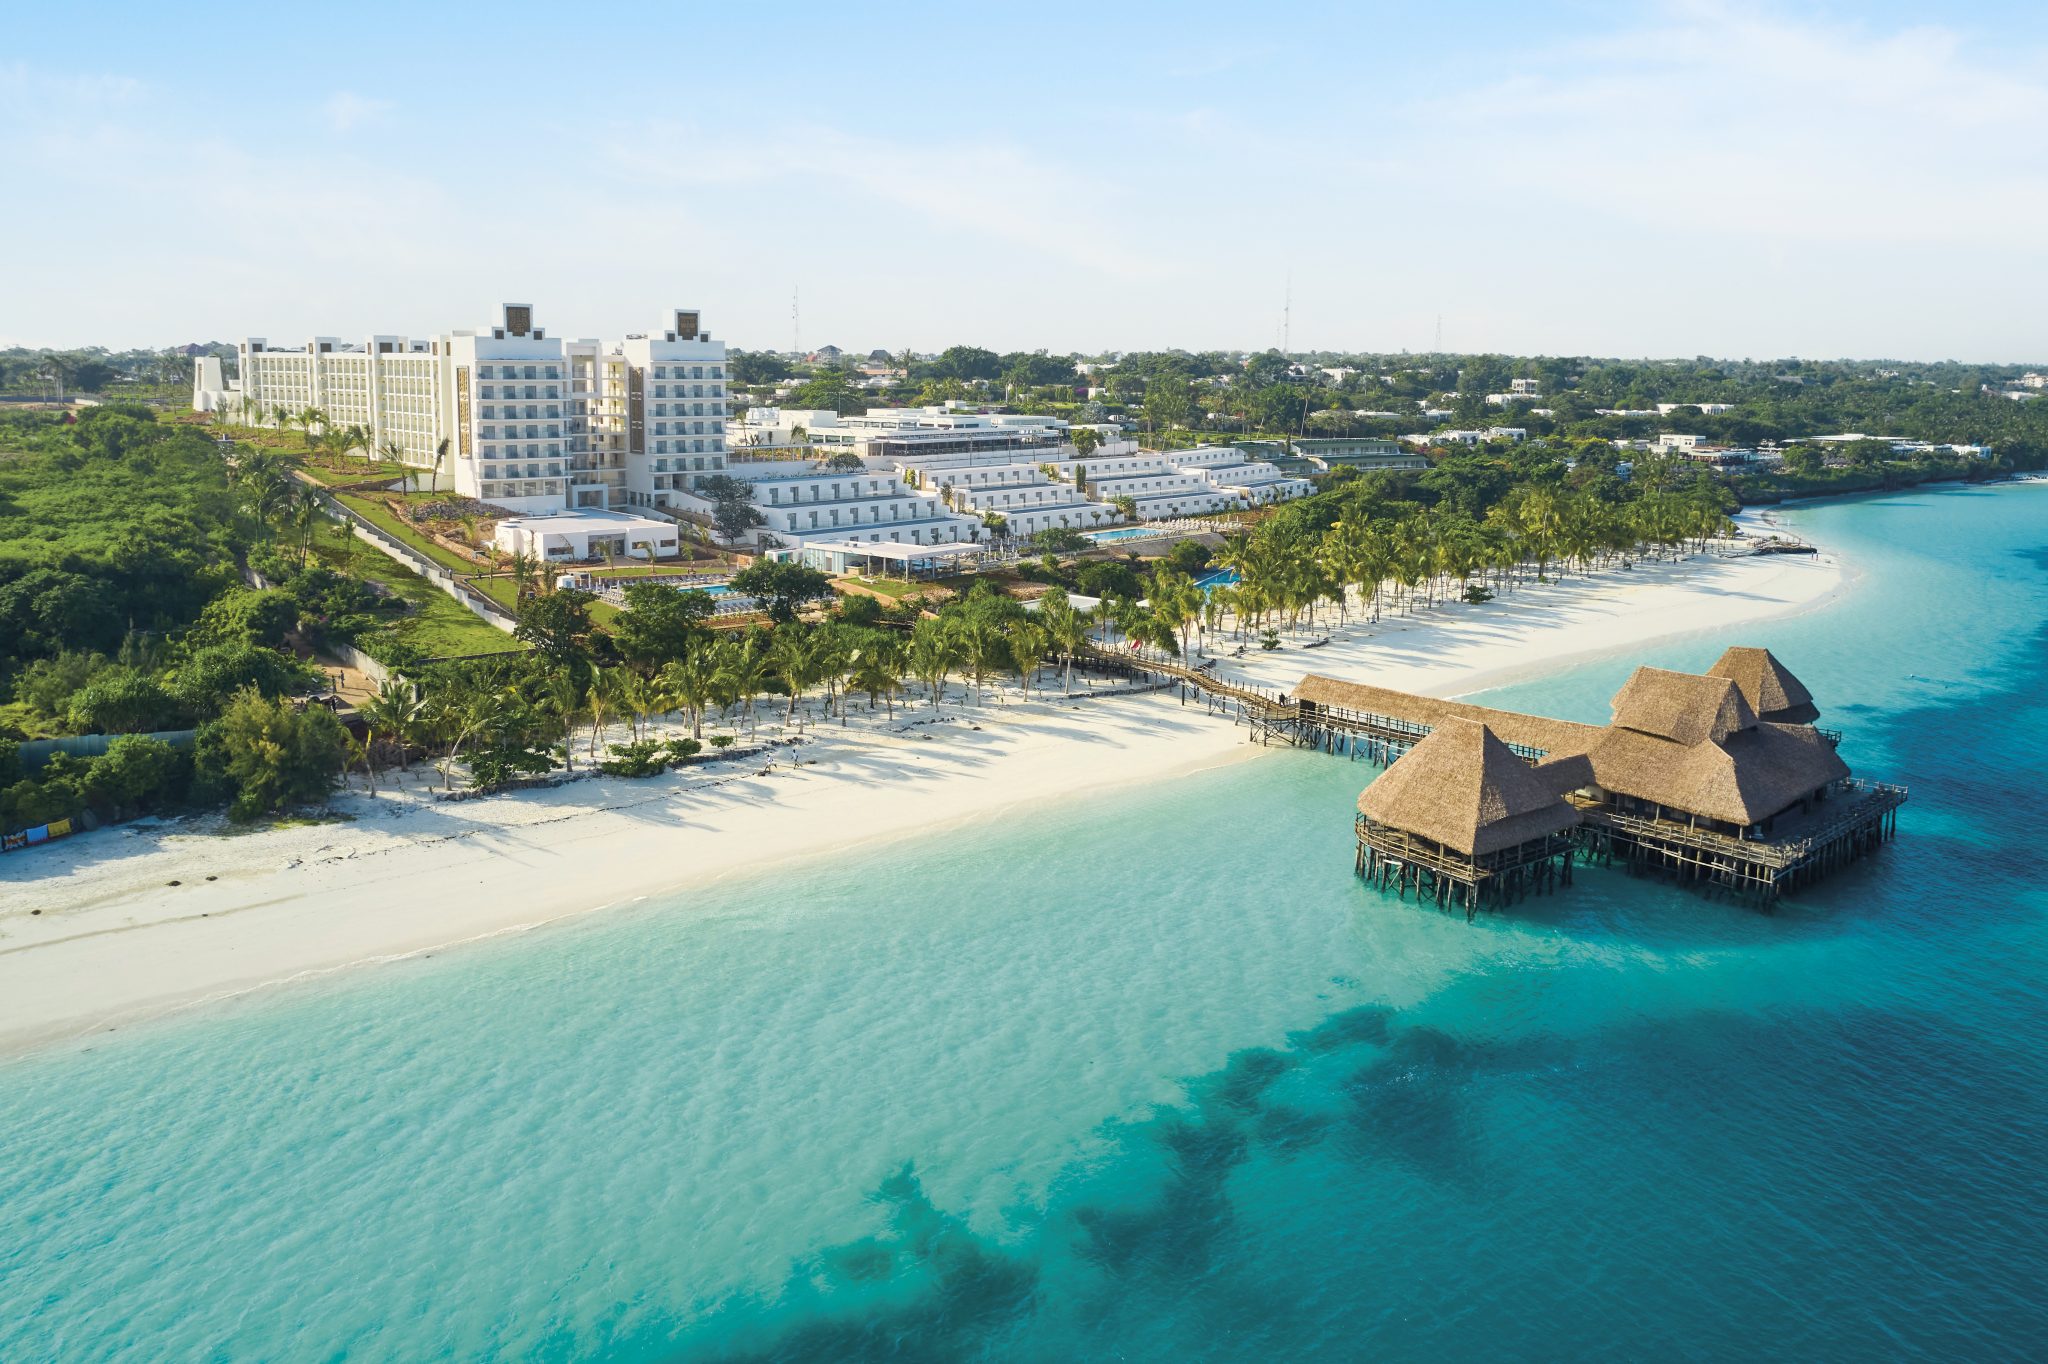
1149 1078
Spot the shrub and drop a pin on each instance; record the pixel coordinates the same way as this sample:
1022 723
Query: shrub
48 684
263 755
210 677
644 759
721 741
124 702
247 616
1188 556
136 773
681 751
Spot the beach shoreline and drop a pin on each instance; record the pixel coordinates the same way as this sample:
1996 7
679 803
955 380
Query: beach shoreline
163 917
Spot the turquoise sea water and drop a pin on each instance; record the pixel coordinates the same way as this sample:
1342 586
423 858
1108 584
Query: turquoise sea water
1148 1078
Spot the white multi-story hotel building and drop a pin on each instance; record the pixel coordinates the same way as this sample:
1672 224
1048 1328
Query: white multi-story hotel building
531 423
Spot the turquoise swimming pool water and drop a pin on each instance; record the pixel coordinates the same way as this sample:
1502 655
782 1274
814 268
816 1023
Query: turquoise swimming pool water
1124 533
1148 1077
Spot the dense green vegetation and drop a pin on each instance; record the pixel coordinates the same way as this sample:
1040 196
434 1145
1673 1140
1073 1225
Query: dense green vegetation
125 610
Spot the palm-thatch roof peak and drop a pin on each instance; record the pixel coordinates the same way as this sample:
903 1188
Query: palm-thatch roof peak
1462 788
1683 707
1768 685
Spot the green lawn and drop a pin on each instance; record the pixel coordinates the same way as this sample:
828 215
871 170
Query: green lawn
437 624
341 471
379 515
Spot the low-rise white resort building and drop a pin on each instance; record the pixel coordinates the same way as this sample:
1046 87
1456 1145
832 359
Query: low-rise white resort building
1209 478
1027 498
588 534
532 423
800 504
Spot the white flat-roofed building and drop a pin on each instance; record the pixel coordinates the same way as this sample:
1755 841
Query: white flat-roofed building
886 436
532 422
1024 495
805 504
565 535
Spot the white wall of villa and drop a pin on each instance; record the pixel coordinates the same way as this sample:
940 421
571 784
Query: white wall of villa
534 423
1213 478
809 504
564 535
1027 498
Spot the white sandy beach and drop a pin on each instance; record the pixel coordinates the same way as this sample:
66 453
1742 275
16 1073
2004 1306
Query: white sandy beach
135 921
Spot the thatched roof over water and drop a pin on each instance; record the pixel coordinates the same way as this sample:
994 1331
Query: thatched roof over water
1694 745
1463 788
1743 779
1682 707
1531 731
1768 685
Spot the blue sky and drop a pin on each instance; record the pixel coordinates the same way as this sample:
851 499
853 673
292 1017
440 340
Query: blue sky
1665 179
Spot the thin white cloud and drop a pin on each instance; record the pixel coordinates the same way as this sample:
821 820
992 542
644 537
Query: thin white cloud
994 193
345 110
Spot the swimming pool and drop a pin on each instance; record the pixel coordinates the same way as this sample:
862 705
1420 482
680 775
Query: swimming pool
1104 537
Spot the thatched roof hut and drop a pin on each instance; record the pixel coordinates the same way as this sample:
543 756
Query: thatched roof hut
1693 745
1464 789
1535 732
1768 685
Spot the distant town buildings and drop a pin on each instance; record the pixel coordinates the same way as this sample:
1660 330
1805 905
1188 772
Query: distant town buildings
530 422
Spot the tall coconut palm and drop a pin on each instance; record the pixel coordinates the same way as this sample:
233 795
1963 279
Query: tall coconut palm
876 667
1029 642
693 680
744 669
440 459
394 715
1066 627
600 696
568 700
934 653
798 656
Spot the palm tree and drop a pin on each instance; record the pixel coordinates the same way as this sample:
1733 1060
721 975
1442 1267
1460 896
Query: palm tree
877 666
307 419
524 571
598 695
798 657
984 649
566 699
934 653
356 437
465 716
1066 627
394 714
1029 644
302 516
440 458
693 680
744 667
